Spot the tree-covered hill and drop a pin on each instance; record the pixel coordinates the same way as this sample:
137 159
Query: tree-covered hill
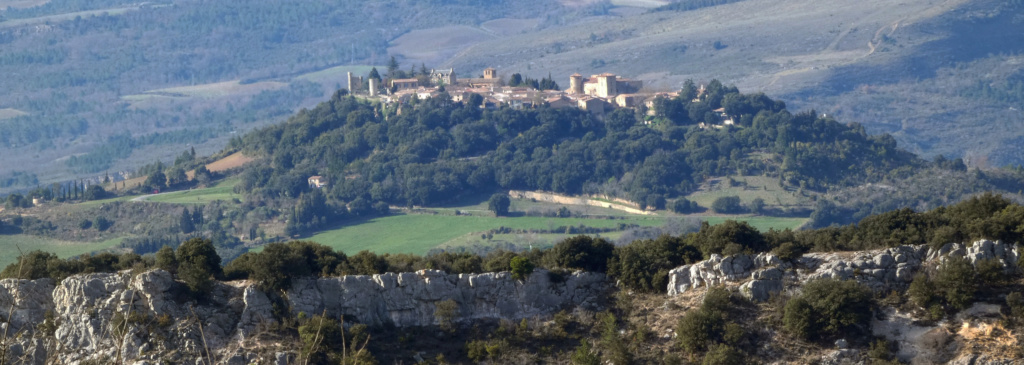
433 151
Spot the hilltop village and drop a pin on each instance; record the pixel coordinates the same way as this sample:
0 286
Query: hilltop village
597 94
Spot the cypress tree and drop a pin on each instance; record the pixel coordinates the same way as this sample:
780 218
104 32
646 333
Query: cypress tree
186 222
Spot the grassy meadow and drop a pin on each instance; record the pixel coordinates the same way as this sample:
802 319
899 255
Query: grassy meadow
223 190
9 245
749 188
418 233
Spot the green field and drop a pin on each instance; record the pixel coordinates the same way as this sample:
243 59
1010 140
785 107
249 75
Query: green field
418 233
749 188
9 245
224 190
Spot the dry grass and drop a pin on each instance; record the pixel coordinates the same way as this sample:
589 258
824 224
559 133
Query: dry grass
432 46
990 338
233 160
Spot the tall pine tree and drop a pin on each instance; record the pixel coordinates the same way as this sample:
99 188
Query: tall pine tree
186 222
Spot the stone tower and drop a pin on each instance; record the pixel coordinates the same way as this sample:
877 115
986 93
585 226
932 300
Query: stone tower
373 87
576 84
606 85
351 83
489 73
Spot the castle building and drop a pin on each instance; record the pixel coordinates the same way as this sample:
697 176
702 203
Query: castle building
576 84
445 77
404 84
605 85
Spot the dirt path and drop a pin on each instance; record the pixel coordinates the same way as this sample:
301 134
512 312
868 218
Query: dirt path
574 200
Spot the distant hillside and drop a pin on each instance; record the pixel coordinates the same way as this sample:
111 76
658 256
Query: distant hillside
434 151
124 81
938 76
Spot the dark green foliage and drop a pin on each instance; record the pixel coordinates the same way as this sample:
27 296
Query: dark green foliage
366 263
580 253
166 260
1015 303
614 347
727 205
102 223
729 237
799 318
984 216
829 308
38 265
85 224
522 267
94 192
198 265
585 355
722 354
956 280
156 180
699 329
788 251
684 206
15 201
499 204
644 265
278 263
446 312
185 222
320 336
756 206
437 150
990 273
881 353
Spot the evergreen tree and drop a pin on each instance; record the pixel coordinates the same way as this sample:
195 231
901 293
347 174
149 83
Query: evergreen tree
197 217
499 204
165 259
186 222
198 265
392 67
374 74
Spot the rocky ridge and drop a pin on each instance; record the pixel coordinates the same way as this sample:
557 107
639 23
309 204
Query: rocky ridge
146 318
765 274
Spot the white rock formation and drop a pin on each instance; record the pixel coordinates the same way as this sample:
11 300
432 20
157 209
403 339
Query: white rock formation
764 274
162 322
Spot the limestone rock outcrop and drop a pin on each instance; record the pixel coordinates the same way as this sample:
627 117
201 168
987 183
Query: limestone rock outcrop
409 299
148 318
765 274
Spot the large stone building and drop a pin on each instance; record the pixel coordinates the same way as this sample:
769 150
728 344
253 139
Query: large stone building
404 84
605 85
443 77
